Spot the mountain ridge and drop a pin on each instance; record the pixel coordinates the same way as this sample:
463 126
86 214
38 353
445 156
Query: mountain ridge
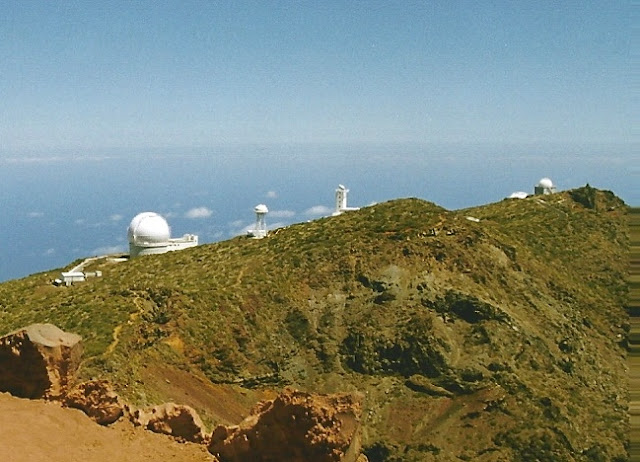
508 317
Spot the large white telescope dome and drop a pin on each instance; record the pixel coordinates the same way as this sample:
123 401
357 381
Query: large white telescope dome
148 228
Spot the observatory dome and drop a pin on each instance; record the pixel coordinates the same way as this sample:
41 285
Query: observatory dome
518 195
261 208
545 183
148 228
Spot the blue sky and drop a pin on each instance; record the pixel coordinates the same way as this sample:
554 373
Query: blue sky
147 74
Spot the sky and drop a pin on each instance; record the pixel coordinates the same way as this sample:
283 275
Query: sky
88 75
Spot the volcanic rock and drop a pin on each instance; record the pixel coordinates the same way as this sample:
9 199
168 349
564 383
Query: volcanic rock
177 420
294 427
38 361
97 399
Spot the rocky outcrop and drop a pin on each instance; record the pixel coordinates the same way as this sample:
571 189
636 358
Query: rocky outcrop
422 384
294 427
179 421
97 399
38 361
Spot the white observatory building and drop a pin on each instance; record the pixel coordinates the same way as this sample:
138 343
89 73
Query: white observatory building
149 234
518 195
544 186
260 229
341 201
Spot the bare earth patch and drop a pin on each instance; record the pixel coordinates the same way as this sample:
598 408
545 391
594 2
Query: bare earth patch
39 430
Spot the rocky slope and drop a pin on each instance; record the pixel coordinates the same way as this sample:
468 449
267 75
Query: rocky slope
295 426
493 333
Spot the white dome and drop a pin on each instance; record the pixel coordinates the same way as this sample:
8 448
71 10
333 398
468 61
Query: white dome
545 183
518 195
261 208
148 228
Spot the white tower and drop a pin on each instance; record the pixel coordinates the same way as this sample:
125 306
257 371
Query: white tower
260 229
341 199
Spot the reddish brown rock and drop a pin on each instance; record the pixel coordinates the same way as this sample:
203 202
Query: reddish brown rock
97 399
294 427
38 361
179 421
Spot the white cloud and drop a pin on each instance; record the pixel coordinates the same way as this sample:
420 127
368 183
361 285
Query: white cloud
272 194
108 250
49 252
318 210
35 214
198 212
236 223
116 217
88 224
282 213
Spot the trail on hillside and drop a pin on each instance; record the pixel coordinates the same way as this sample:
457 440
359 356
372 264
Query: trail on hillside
116 331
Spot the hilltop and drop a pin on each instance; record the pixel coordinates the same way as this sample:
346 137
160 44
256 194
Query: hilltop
491 333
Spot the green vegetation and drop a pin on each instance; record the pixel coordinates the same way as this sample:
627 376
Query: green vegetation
502 339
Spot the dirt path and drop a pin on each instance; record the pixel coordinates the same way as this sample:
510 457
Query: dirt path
240 276
34 430
116 332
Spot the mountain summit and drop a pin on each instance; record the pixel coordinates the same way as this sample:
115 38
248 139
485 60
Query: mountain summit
491 333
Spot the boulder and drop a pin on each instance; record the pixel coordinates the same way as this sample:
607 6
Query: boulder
39 361
294 427
97 399
179 421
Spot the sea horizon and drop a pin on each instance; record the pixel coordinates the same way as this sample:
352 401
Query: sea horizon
64 204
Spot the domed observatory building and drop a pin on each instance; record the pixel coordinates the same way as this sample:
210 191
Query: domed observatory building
544 186
149 234
259 231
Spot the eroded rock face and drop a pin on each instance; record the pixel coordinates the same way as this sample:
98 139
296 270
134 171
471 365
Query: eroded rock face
39 361
294 427
97 399
179 421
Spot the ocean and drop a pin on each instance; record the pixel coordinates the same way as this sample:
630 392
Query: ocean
58 206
